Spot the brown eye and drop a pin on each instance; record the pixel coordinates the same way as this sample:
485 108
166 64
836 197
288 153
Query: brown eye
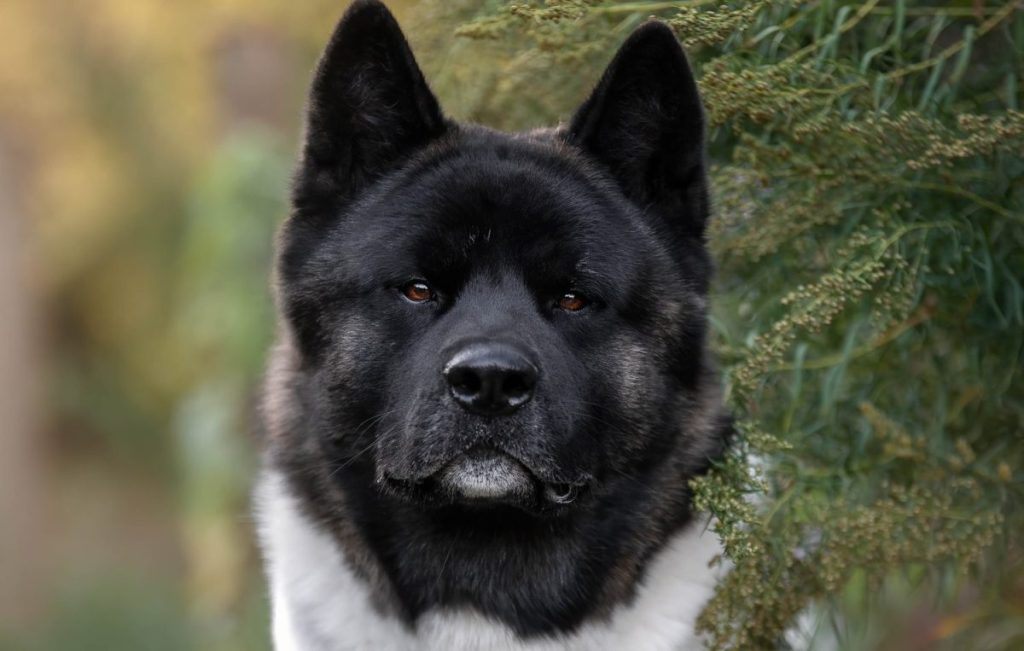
418 291
572 302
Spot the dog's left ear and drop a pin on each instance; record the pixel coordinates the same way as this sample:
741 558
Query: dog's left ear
645 123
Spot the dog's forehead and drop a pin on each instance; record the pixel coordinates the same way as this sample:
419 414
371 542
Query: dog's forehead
498 183
500 193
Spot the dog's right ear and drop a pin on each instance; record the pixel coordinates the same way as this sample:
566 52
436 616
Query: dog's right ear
368 107
644 122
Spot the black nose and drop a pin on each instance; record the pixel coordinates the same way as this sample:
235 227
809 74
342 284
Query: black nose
490 378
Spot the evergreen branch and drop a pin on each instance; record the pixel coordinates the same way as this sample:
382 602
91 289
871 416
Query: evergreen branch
983 29
923 313
960 192
956 12
636 7
850 23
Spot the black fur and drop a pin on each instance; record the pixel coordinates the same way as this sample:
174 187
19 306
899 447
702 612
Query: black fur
625 411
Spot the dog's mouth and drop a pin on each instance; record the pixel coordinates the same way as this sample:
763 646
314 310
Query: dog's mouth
483 477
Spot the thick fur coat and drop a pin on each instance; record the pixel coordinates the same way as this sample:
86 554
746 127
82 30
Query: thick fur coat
491 385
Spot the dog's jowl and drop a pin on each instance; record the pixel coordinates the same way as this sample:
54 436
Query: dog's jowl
491 385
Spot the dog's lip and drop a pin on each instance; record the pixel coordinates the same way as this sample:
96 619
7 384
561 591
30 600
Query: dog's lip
487 474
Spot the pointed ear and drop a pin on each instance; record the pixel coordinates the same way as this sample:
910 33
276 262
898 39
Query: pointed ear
644 122
369 106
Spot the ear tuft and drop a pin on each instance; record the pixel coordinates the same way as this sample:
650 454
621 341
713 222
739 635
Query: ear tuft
645 123
369 107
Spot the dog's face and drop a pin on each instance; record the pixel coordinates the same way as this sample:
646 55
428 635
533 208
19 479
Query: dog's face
492 321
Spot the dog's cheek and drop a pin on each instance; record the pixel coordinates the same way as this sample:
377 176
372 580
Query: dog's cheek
683 327
632 368
351 377
637 385
352 336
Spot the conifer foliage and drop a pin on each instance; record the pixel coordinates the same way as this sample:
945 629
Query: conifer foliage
868 170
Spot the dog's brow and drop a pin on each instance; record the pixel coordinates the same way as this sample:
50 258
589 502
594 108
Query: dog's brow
583 266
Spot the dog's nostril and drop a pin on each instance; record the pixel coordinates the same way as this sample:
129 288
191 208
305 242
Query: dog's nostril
464 380
516 385
490 378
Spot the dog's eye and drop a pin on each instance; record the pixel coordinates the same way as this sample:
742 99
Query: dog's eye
572 302
418 291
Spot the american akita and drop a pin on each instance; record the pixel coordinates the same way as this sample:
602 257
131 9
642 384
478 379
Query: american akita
491 384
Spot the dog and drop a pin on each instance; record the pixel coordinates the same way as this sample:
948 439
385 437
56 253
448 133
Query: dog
491 384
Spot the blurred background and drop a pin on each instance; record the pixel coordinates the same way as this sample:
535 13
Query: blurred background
145 151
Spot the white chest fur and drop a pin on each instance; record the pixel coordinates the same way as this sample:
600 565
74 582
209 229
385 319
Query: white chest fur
319 604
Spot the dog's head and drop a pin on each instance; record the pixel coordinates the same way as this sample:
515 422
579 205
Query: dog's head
485 319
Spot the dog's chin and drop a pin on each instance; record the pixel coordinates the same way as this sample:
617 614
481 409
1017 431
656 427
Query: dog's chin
484 478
